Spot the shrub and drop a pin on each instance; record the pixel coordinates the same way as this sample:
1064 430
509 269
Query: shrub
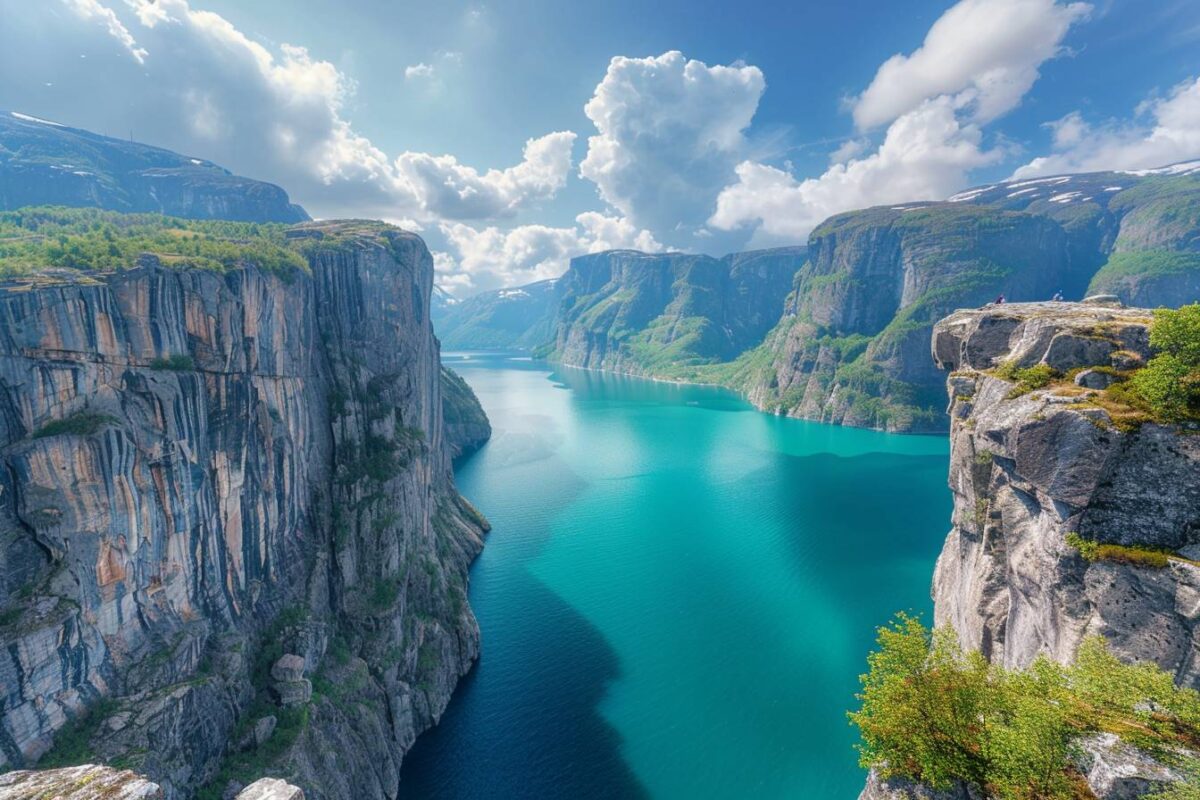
1121 554
1170 382
934 713
1027 379
83 423
178 363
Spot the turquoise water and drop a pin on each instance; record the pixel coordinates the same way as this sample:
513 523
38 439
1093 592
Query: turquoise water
678 594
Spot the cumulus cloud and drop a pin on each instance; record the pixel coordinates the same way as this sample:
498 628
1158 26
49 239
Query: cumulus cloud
278 114
926 154
669 135
1161 132
446 188
489 258
988 52
977 61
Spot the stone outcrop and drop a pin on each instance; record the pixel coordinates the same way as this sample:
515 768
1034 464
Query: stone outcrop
45 163
97 782
467 427
216 485
1027 469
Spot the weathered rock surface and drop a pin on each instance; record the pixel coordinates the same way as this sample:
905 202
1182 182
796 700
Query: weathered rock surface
878 788
1027 470
97 782
85 782
281 487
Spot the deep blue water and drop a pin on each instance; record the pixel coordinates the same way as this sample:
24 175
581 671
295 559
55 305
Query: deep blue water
678 594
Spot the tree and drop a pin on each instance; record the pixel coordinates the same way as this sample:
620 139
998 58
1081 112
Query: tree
1170 381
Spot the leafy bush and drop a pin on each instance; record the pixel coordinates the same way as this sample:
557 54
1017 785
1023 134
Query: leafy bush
1170 382
934 713
83 423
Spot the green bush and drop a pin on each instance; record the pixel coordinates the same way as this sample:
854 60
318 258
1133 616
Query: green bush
82 423
1092 550
1027 379
934 713
1170 382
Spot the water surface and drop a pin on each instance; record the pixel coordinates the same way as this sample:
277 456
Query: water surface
679 591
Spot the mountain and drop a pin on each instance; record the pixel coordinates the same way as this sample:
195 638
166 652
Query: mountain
667 314
45 163
232 544
851 345
503 319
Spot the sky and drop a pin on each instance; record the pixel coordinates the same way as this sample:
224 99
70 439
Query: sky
516 135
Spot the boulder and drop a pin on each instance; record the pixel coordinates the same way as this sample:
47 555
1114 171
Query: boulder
1095 379
289 667
85 782
271 789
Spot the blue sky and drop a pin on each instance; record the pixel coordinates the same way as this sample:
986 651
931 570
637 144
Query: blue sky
720 126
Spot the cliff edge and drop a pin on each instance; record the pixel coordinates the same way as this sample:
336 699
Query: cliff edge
230 541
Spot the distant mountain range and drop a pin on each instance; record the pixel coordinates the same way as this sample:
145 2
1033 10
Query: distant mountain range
839 330
45 163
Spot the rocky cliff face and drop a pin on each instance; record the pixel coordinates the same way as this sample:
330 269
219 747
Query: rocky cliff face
850 348
231 539
1030 468
467 427
44 163
1038 473
660 314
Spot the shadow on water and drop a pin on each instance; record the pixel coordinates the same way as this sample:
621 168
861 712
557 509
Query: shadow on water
525 720
524 751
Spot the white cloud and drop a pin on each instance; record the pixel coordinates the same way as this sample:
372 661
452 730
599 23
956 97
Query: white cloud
986 51
669 134
449 189
278 115
418 71
93 9
1161 132
489 258
926 154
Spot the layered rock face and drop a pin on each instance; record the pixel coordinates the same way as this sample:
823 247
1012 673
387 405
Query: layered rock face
852 346
212 481
1029 469
639 313
44 163
95 782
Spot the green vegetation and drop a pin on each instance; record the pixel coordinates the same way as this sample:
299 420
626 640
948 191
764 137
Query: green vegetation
72 743
81 423
1143 263
1027 379
1152 557
175 363
936 714
86 239
1170 382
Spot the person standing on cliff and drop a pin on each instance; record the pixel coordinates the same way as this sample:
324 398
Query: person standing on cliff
1058 296
999 300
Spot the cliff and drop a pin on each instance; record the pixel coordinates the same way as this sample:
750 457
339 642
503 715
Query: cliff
467 427
665 315
232 545
1076 511
850 347
1036 471
45 163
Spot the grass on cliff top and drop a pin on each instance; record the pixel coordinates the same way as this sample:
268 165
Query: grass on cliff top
936 714
1137 556
90 240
